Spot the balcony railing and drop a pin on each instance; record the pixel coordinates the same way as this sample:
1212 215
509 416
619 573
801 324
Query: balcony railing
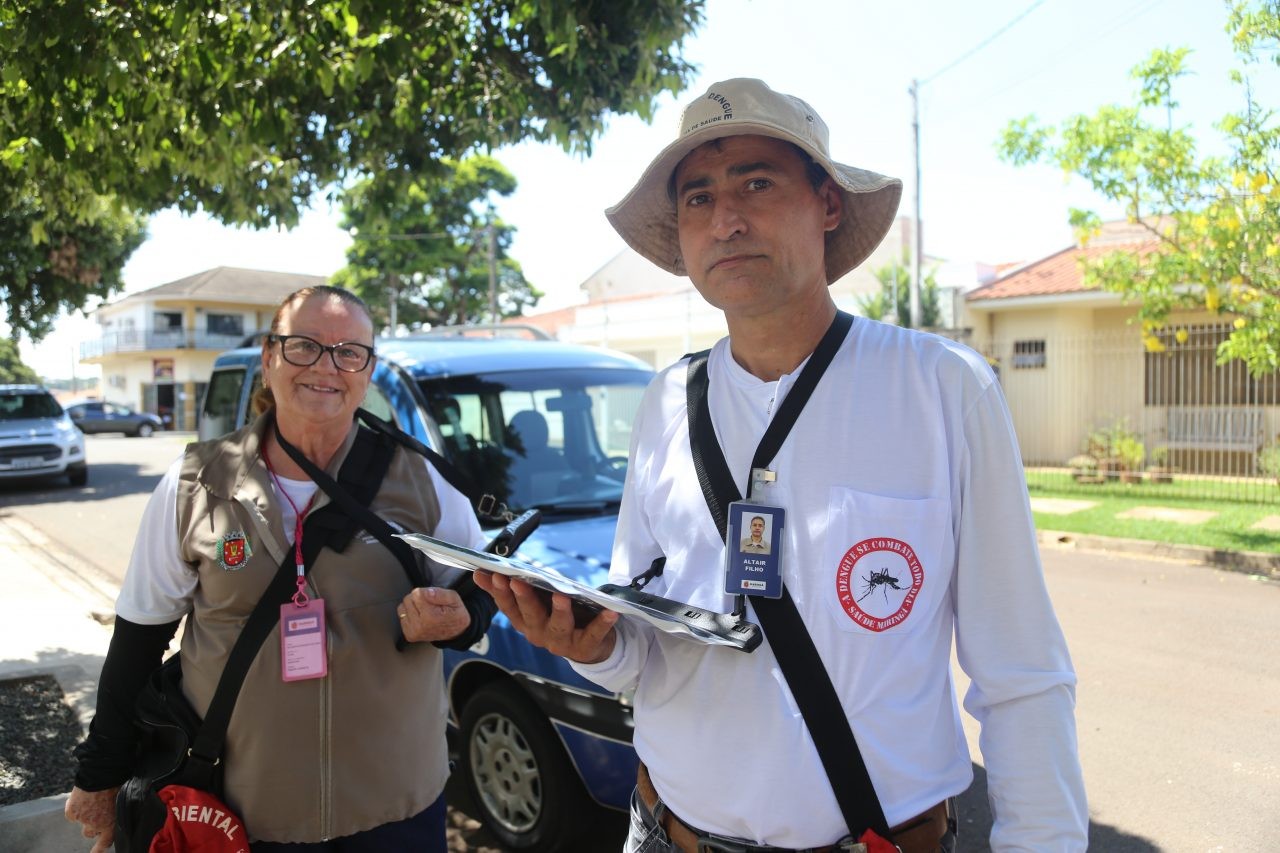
138 340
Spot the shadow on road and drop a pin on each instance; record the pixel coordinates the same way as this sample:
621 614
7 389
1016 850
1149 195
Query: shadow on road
106 480
974 817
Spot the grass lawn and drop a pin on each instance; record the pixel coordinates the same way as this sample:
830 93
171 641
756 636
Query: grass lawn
1230 529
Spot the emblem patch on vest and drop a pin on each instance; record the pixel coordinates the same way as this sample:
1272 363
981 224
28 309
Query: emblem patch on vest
235 551
878 581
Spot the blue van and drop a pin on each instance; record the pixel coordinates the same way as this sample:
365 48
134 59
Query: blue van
536 423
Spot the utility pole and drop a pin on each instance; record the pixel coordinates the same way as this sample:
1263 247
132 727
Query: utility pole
917 255
392 321
493 271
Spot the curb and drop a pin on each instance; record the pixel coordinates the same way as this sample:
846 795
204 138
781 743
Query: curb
39 826
1246 562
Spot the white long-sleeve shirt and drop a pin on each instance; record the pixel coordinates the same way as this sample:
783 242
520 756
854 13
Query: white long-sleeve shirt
903 466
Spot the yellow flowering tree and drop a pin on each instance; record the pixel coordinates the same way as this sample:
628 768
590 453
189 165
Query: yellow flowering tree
1214 220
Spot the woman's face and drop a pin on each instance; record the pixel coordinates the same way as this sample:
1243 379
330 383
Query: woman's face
320 394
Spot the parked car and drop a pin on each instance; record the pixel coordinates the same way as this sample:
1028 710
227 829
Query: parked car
96 417
37 438
536 423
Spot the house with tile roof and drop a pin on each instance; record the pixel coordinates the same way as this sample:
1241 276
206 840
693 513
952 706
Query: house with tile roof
156 347
1071 360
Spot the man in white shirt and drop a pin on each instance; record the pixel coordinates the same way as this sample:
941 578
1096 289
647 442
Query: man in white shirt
908 524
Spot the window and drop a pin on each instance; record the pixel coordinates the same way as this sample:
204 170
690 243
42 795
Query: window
168 321
225 324
1028 354
546 438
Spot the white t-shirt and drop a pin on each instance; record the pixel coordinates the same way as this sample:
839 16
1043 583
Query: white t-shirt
158 585
907 520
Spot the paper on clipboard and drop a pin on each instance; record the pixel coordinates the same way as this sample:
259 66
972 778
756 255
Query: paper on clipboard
671 617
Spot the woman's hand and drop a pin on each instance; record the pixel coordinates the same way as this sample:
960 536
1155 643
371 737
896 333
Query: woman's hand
95 811
548 621
430 614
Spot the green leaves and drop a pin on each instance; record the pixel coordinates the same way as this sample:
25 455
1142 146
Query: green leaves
1214 221
423 241
893 301
248 110
342 88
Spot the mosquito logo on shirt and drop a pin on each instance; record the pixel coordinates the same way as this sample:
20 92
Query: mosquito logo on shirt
878 581
235 551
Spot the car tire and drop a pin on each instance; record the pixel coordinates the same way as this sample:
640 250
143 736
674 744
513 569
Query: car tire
78 476
144 430
524 787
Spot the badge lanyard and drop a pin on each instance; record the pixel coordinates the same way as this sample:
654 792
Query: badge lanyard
300 597
303 637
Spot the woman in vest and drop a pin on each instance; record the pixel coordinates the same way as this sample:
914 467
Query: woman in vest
336 745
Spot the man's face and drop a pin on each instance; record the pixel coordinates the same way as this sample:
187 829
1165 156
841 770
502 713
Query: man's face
757 528
752 228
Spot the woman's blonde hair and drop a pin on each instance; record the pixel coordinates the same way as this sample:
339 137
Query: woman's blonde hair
263 399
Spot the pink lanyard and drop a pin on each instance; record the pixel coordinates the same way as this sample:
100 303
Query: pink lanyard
300 597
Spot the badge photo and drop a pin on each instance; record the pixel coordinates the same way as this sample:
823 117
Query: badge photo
754 555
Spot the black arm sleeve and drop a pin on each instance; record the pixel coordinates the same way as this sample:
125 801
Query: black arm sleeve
105 759
482 608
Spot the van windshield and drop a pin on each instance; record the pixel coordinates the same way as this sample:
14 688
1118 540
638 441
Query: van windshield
27 404
552 439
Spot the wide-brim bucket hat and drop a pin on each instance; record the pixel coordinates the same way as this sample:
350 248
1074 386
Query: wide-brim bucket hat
646 218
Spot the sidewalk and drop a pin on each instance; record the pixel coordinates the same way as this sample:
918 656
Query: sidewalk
56 615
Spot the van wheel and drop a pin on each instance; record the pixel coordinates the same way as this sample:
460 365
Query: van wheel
528 793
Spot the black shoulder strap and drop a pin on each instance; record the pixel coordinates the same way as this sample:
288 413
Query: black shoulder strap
451 473
358 510
789 639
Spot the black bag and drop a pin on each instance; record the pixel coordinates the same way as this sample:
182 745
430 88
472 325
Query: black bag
169 728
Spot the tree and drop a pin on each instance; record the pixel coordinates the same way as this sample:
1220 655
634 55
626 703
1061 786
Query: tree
429 239
247 110
894 297
1214 220
49 263
12 368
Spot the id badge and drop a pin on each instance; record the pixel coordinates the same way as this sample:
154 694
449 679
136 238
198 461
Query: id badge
303 646
753 558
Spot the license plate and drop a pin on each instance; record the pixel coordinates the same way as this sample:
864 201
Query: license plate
27 462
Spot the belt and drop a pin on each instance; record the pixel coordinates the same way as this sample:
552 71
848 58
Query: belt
921 834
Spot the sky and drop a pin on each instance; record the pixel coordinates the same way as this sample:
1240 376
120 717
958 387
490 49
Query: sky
853 61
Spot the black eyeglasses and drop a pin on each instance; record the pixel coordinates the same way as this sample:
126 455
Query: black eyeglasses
301 351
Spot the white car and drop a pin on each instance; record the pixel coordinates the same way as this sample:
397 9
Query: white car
37 438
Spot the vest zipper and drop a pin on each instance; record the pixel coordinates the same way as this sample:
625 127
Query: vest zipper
326 736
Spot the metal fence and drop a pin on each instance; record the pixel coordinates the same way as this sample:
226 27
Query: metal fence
1101 409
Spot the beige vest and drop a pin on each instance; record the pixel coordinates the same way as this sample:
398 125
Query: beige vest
312 760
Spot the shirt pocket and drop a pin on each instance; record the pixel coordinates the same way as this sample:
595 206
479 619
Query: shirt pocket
884 565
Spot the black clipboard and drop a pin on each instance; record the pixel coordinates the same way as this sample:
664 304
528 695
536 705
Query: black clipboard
672 617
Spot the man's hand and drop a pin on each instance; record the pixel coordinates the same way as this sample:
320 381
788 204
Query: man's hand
430 614
551 627
95 811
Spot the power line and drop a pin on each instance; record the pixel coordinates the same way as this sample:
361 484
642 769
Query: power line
1074 50
982 43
